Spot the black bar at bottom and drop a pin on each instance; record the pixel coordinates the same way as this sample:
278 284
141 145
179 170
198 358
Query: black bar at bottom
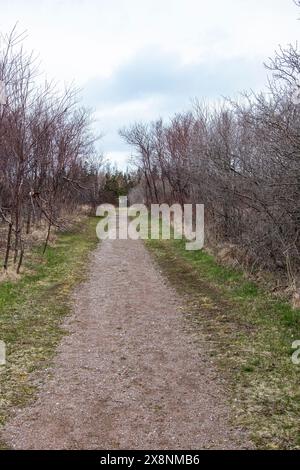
135 459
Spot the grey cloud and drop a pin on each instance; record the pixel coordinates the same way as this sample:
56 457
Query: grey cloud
153 73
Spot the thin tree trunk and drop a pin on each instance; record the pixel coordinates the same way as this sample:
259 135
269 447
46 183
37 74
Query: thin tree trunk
5 265
21 258
47 238
16 248
28 222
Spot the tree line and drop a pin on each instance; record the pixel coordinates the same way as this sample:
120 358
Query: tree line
241 159
48 159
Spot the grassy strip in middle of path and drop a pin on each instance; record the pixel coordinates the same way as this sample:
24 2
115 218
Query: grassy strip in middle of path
250 334
32 309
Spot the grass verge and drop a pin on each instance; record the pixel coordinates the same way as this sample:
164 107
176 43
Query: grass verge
250 335
32 309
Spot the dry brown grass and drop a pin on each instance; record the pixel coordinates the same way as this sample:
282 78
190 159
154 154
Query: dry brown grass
37 237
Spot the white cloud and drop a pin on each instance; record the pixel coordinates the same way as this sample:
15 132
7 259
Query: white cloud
96 41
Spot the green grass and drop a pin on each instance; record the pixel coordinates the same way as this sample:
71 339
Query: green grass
32 310
249 333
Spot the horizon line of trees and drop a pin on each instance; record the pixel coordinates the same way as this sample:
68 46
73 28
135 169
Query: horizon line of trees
240 159
49 164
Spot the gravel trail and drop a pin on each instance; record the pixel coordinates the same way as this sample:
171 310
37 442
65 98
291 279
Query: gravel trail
129 375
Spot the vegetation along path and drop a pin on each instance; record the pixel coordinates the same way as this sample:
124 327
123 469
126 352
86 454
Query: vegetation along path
130 373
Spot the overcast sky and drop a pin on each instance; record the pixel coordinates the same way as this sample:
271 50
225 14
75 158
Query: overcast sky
141 59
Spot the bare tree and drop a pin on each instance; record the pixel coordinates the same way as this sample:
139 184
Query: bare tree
45 144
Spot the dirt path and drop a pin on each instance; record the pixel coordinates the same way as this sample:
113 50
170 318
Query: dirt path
129 375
